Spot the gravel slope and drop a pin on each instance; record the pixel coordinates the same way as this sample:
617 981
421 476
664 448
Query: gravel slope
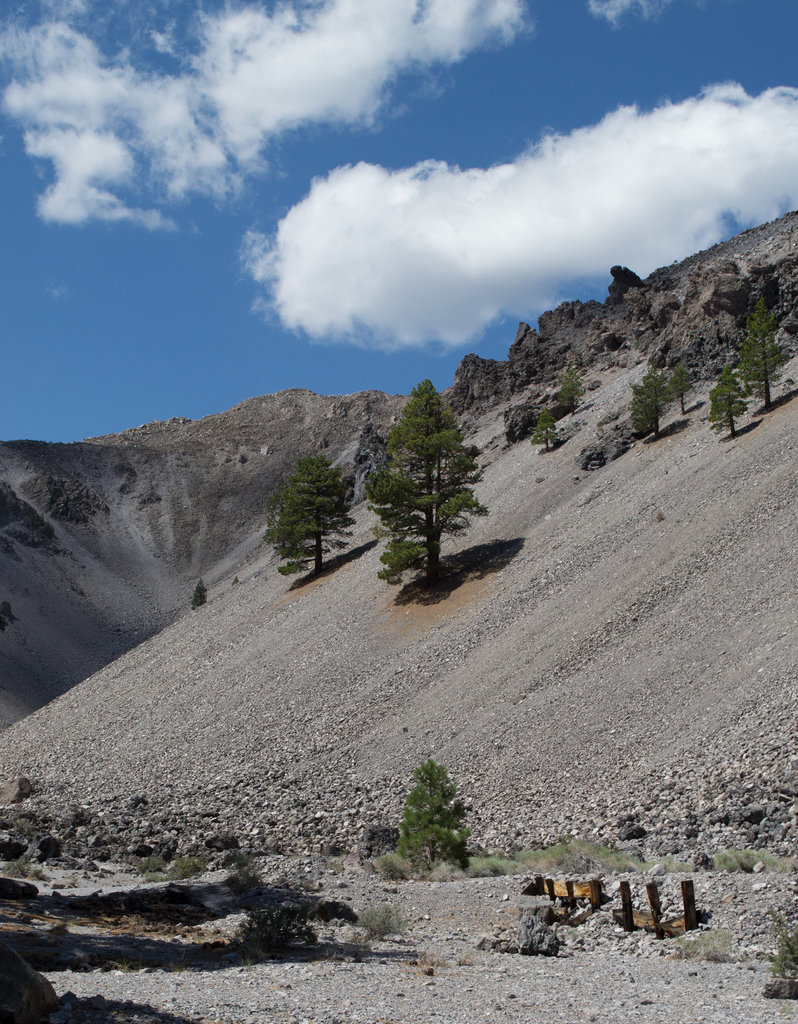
619 647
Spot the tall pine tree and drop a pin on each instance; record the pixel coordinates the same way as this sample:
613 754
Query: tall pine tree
761 358
425 491
307 516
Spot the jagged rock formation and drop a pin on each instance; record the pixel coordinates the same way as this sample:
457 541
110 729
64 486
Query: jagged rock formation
694 311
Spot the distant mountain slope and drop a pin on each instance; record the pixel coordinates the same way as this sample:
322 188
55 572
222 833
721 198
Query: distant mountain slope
101 542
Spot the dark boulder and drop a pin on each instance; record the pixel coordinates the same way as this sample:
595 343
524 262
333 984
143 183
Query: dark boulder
25 995
535 938
520 421
378 840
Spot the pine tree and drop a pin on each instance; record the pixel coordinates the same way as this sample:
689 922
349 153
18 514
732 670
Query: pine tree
425 491
307 515
546 432
680 383
432 823
727 402
200 595
650 398
761 358
571 389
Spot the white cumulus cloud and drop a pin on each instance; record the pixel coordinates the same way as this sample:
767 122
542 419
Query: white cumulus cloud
432 252
252 74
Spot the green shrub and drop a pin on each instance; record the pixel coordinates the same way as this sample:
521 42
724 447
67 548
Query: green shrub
272 929
744 860
186 867
785 962
485 867
445 871
200 595
245 874
382 920
713 946
392 867
578 857
24 867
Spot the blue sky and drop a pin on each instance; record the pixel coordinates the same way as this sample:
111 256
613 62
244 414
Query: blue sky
202 202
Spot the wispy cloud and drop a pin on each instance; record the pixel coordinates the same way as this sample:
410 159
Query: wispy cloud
116 130
613 10
432 252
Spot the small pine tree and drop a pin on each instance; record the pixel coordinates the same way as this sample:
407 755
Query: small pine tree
432 823
650 398
680 383
761 359
200 595
726 402
546 432
571 388
307 515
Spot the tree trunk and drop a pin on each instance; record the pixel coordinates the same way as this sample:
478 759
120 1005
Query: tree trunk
317 566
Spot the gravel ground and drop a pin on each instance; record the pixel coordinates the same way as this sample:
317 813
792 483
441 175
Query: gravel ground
435 972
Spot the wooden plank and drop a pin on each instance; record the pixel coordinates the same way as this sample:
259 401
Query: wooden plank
571 890
643 919
656 909
688 902
627 911
595 892
551 889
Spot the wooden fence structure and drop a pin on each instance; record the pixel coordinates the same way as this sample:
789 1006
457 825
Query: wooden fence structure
570 893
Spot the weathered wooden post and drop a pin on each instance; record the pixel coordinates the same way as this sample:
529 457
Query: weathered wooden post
626 908
656 909
595 893
688 902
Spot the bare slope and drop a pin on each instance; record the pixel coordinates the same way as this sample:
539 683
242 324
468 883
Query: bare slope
617 647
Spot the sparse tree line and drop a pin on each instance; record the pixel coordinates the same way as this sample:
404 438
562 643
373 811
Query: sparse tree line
760 365
425 491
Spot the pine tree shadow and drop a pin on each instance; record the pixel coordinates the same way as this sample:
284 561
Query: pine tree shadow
333 564
672 428
470 564
742 431
785 398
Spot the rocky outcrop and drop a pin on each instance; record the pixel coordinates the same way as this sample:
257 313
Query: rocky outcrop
693 311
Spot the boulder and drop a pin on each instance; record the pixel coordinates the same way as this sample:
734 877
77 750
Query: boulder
378 840
535 938
15 889
610 445
781 988
25 995
622 280
16 791
520 421
47 847
11 846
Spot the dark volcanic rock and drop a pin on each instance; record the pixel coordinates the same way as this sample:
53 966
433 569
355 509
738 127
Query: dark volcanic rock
622 280
520 421
611 444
